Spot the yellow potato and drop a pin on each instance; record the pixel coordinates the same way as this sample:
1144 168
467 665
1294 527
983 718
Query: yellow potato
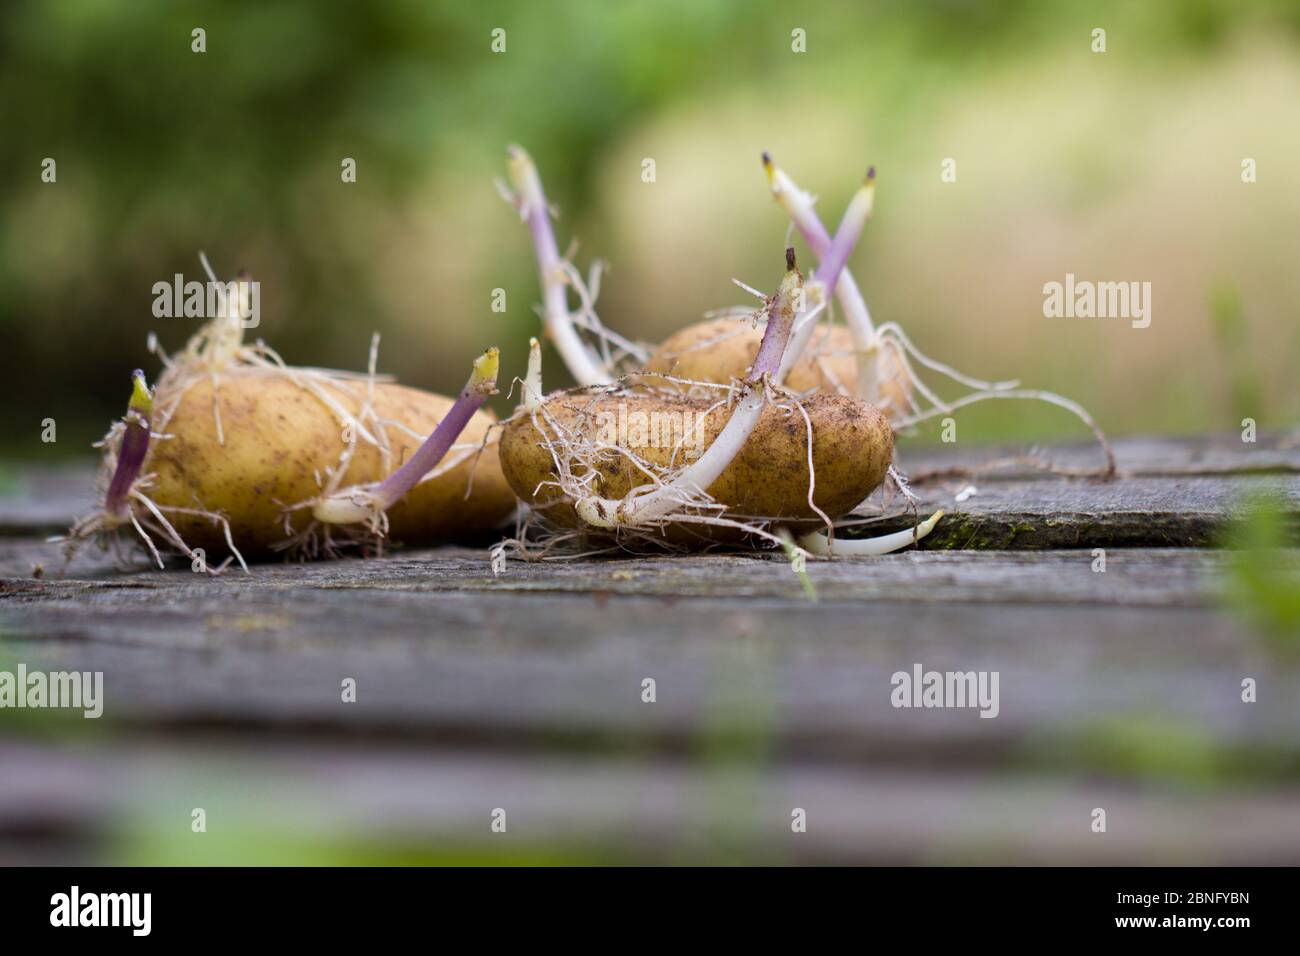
280 438
853 446
718 350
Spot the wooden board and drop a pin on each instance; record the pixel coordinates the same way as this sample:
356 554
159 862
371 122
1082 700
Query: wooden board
1119 689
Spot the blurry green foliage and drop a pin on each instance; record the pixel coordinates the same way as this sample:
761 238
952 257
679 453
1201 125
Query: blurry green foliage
162 152
1161 749
1149 747
249 840
1264 582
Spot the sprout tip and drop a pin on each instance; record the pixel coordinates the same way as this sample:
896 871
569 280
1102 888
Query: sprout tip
141 400
485 369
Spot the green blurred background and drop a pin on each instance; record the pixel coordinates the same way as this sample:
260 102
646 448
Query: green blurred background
1117 166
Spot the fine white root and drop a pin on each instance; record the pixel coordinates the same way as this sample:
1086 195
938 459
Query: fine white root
587 291
819 544
1051 398
894 331
178 542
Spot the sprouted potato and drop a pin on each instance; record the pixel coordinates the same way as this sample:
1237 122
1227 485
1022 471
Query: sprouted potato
237 453
746 363
769 458
768 480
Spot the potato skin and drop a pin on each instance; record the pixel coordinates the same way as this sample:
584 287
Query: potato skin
853 445
279 436
718 350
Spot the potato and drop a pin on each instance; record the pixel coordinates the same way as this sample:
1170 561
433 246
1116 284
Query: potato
853 446
279 437
718 350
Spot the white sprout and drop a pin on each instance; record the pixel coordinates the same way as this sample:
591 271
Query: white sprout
818 543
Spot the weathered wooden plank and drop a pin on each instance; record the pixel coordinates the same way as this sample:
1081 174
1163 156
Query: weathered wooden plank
301 801
1171 492
1186 512
1152 577
468 663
